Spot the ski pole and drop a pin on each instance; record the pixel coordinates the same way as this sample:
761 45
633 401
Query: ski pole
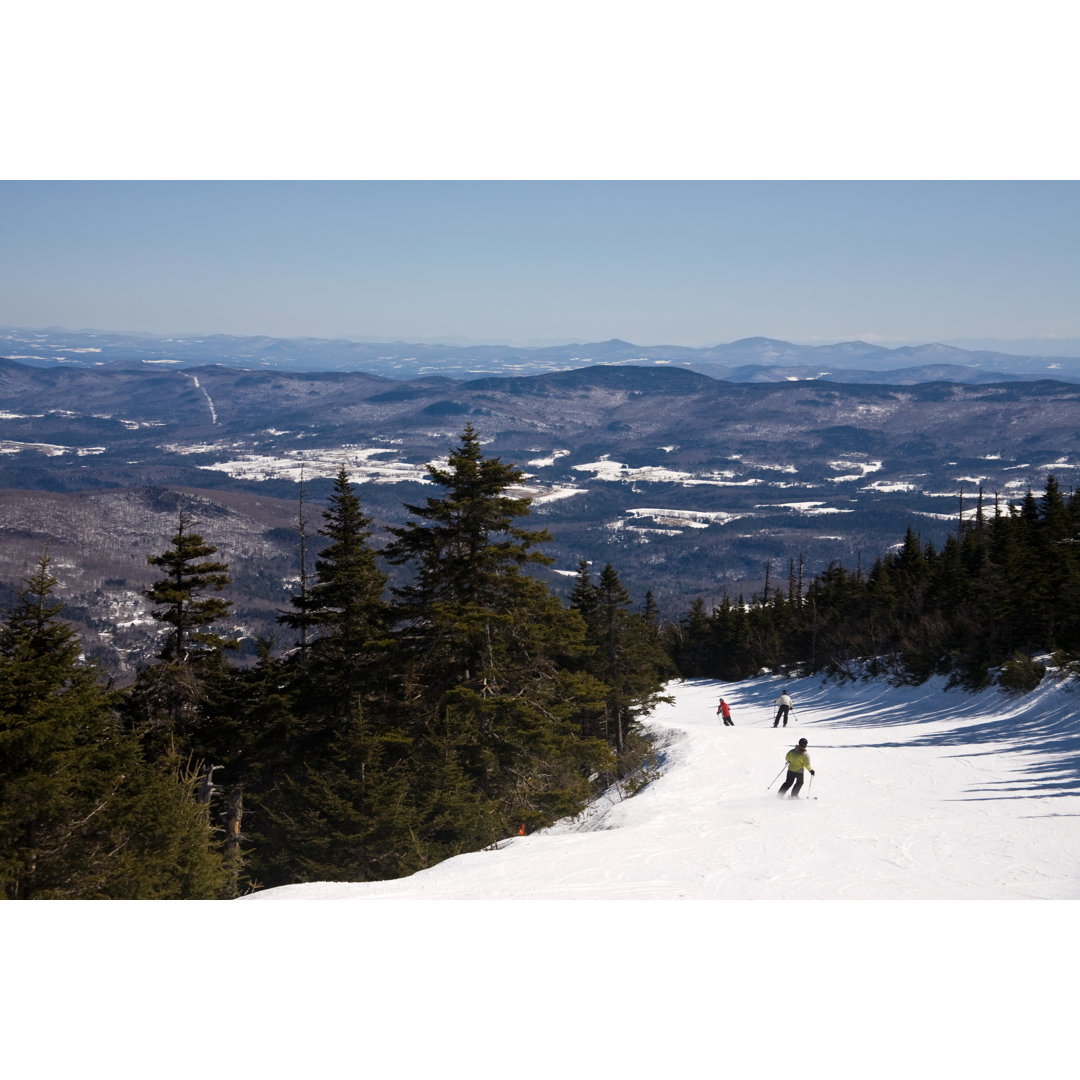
777 777
796 715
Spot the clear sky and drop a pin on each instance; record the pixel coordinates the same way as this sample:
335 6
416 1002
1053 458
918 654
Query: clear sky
674 174
653 262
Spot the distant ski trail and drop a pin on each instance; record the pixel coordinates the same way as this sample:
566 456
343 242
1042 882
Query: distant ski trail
209 400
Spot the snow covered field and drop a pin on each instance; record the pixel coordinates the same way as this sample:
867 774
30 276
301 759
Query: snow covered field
913 920
919 794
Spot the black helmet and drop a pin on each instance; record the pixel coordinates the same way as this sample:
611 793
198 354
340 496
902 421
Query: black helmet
802 742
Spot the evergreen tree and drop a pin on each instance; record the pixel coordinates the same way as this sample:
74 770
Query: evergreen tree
334 808
627 657
250 728
343 809
63 758
345 609
731 634
583 596
165 843
168 701
179 597
488 654
81 815
301 618
468 555
1054 570
466 538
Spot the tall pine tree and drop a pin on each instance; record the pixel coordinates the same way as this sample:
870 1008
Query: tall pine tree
167 702
82 816
487 652
179 597
338 807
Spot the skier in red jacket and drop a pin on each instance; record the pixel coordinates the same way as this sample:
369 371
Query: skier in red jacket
724 710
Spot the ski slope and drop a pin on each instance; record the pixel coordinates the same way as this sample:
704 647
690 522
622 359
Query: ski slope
920 794
913 919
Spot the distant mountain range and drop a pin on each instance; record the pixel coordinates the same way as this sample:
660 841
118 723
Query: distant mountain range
749 360
690 485
697 472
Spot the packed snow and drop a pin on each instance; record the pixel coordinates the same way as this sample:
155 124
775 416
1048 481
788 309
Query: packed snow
919 793
909 918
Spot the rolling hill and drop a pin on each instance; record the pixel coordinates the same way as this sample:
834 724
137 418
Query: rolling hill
689 485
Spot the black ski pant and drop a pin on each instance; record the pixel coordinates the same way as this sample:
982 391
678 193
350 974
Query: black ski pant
781 712
795 778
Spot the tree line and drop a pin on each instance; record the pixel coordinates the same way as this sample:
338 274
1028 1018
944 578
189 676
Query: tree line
395 728
1002 591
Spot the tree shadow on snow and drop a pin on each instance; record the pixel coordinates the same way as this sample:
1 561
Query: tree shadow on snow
1043 726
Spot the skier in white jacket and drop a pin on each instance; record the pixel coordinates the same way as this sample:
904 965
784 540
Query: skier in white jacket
784 703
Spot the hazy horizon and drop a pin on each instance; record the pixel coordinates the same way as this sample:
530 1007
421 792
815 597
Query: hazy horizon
527 263
1045 347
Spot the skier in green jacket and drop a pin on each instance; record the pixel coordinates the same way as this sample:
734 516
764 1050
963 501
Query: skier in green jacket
797 760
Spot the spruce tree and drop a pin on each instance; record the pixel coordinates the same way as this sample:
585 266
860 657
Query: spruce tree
1054 570
301 617
336 806
468 555
628 659
583 598
167 703
488 655
466 538
64 760
343 809
179 597
345 609
690 643
82 816
731 630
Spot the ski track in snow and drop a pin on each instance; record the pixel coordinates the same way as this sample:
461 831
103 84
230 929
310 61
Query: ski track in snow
209 400
920 793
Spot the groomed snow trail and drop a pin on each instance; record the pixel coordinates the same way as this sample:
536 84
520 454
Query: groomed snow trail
919 793
209 401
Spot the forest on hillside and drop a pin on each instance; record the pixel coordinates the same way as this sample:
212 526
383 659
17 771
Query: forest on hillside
996 603
435 696
400 726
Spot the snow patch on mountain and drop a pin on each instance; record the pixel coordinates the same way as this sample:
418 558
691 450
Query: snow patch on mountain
615 471
8 446
804 508
550 459
362 464
554 494
862 468
695 519
886 486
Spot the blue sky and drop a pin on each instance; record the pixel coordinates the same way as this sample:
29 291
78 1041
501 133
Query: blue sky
653 262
